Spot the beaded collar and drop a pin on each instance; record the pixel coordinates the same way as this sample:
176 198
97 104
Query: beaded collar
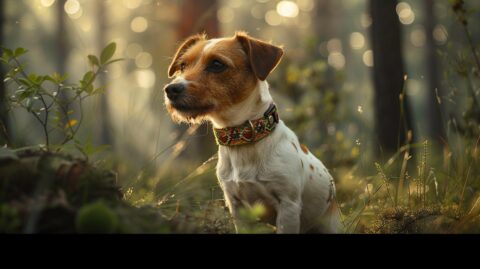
249 132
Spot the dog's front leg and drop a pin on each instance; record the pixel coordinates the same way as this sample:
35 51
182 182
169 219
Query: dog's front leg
288 216
234 206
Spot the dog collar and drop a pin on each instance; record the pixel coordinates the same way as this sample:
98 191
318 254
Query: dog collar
249 132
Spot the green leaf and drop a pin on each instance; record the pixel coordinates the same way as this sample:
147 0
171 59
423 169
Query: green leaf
108 52
25 82
32 77
57 77
19 52
23 95
100 90
7 53
88 78
113 61
89 89
49 78
93 60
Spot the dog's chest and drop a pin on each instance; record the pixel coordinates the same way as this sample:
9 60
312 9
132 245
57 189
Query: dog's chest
244 174
238 166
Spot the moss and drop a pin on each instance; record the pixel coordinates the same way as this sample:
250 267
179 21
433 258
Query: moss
45 192
96 217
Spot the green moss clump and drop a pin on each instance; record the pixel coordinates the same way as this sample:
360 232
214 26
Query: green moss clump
96 218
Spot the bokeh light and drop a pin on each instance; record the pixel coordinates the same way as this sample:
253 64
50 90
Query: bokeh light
365 20
440 34
334 45
368 58
418 37
405 13
257 11
336 60
47 3
235 3
287 9
132 4
145 78
272 18
357 40
305 5
144 60
139 24
72 7
86 25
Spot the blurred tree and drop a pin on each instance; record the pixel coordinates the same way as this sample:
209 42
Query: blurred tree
326 27
103 124
62 45
197 16
391 126
62 40
436 130
328 19
4 135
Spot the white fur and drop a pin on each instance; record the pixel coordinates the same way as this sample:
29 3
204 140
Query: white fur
271 171
211 43
180 79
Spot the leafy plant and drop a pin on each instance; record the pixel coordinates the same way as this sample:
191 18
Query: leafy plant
466 63
49 98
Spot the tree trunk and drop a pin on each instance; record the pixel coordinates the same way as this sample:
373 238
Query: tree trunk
62 47
4 135
103 125
62 50
436 130
198 16
391 126
327 21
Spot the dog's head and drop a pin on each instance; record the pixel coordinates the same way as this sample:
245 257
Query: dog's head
211 75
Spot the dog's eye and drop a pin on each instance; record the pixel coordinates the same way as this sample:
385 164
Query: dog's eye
216 66
182 66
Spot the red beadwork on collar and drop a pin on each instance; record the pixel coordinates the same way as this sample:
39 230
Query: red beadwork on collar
249 132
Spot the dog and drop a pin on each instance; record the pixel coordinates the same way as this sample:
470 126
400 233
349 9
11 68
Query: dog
223 81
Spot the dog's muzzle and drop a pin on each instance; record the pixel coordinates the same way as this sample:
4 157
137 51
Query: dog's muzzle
174 90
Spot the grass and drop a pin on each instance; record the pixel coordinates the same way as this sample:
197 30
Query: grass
432 193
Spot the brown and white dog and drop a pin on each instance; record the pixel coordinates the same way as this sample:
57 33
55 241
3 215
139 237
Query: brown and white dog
260 159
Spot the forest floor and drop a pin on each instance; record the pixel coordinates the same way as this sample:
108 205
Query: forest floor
46 192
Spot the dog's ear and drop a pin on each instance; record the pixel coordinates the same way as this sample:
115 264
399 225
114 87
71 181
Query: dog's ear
181 50
263 57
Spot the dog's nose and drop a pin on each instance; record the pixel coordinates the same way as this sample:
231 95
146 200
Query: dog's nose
174 90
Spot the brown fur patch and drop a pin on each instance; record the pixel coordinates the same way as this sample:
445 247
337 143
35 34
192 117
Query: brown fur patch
263 57
215 92
302 163
189 42
311 167
304 148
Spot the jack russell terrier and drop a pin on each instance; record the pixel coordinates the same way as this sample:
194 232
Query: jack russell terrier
260 159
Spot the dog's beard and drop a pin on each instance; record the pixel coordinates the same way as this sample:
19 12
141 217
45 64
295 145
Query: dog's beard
188 110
